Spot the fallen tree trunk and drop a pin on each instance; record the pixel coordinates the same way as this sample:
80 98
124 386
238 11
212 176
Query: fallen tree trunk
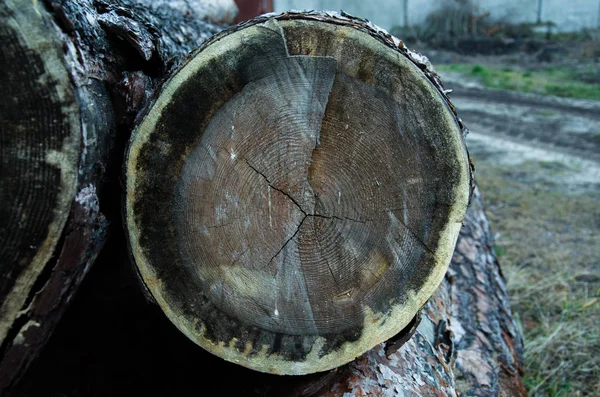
117 54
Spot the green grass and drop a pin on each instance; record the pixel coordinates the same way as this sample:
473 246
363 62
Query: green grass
548 81
547 238
546 112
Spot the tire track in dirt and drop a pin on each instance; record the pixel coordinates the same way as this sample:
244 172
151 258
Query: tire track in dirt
556 124
512 128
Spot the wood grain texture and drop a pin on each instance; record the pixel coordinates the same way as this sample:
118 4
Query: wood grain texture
295 193
40 134
73 73
468 343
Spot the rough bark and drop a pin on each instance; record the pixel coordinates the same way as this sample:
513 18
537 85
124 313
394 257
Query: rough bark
468 343
75 75
116 55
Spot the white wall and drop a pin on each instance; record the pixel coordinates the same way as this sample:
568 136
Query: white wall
568 14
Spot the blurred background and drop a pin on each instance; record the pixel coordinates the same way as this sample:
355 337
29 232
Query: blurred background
566 15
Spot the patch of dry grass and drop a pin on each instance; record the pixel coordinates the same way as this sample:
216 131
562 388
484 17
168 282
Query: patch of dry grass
548 241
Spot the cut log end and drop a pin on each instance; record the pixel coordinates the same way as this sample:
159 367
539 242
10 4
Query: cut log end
295 193
41 134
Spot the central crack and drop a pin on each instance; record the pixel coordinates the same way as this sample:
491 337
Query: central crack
274 188
346 218
291 199
287 241
301 210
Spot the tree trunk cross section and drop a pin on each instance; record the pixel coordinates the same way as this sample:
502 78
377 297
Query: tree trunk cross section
39 169
70 71
295 193
75 72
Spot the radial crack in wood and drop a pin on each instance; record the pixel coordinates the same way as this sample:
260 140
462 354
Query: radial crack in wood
274 188
336 172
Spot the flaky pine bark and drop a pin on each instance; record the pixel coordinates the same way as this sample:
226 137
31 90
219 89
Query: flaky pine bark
468 342
115 55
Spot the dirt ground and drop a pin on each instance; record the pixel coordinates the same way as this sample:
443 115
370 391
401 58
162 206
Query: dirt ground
538 166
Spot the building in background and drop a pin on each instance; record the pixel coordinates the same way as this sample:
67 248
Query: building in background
571 15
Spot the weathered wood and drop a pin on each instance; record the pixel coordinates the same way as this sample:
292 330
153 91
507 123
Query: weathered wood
295 193
51 229
72 74
115 55
467 344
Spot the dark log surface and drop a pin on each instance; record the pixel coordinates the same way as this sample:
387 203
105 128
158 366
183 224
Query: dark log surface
51 227
74 75
112 341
